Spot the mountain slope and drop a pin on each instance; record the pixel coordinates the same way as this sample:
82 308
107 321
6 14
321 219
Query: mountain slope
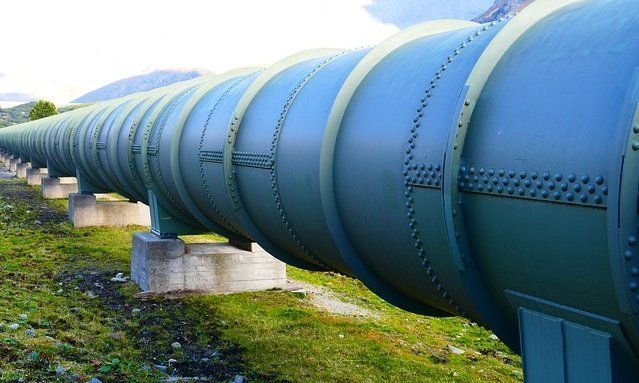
139 83
404 13
16 115
502 8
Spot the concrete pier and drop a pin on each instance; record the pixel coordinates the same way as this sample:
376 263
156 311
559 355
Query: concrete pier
86 211
169 265
21 169
13 164
58 188
35 175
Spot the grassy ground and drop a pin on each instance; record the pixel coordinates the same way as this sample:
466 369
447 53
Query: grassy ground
63 320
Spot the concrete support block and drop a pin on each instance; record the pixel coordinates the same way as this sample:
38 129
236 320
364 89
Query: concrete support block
13 164
86 211
58 188
35 175
168 265
21 169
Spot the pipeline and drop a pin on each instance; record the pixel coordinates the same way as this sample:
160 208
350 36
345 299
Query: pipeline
486 171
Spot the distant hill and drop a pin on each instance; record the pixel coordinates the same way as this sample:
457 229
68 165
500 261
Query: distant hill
404 13
502 8
16 97
19 114
139 83
16 115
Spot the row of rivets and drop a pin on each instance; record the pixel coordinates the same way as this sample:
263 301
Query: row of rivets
207 190
273 149
158 134
252 159
630 252
535 185
413 178
423 175
214 156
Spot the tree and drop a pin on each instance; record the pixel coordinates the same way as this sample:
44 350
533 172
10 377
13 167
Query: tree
42 109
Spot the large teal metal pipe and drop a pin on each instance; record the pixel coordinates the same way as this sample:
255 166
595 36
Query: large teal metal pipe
488 171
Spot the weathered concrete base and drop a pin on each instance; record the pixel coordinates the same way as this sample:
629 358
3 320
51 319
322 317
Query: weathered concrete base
86 211
35 175
21 169
13 164
55 188
166 265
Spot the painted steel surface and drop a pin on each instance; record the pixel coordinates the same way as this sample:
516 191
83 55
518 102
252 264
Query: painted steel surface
487 171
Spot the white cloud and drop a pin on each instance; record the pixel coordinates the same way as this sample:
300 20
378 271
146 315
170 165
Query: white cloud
60 50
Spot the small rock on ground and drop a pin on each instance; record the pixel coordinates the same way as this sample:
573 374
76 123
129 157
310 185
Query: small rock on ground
455 350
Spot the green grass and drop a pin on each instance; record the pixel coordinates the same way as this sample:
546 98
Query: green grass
47 270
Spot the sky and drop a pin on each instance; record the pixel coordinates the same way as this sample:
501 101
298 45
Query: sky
60 50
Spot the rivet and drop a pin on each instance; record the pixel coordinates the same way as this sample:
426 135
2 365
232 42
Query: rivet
599 180
522 175
533 193
583 198
501 172
564 186
632 240
635 128
604 190
546 176
511 190
540 185
495 180
551 185
544 193
557 195
516 182
577 188
489 188
591 189
635 145
500 189
634 271
534 175
633 286
485 179
482 171
472 170
430 167
522 191
491 172
505 181
511 174
585 179
570 197
598 199
572 177
558 177
438 168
